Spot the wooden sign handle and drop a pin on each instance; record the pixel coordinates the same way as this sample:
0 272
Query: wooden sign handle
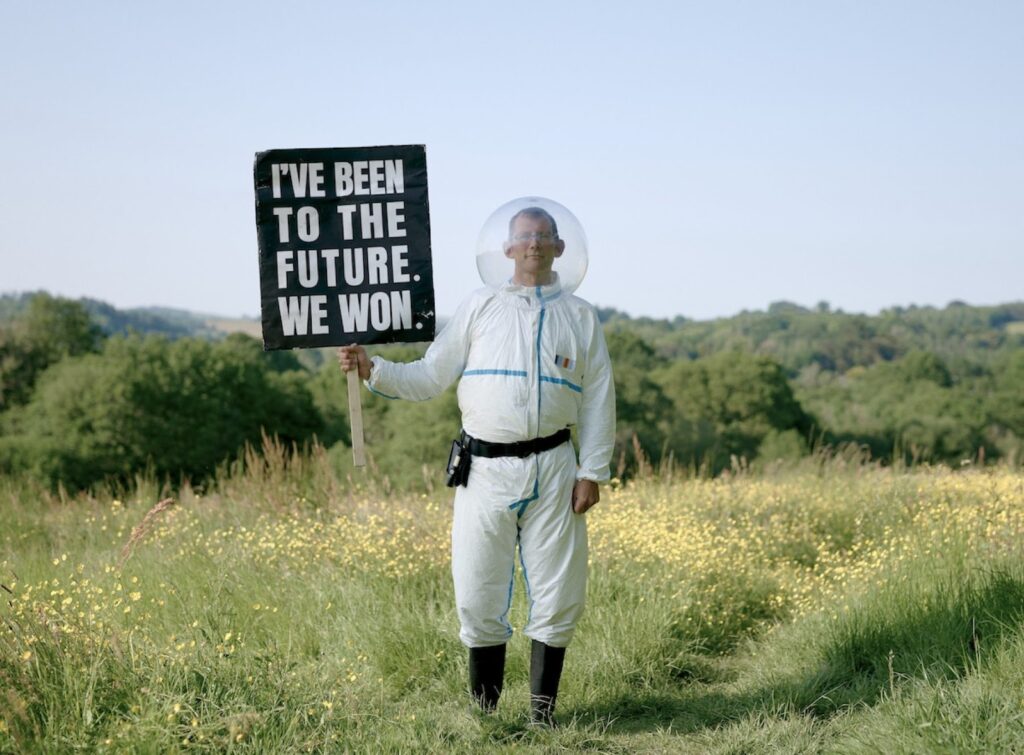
355 415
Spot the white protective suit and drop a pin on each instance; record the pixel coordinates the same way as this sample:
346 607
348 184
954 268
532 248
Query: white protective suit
532 361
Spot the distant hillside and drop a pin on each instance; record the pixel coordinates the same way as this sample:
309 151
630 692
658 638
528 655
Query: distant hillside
173 323
911 384
801 339
821 339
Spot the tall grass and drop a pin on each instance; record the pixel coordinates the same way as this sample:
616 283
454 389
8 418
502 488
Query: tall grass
289 608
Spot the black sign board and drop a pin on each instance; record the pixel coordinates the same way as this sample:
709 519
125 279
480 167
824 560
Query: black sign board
344 240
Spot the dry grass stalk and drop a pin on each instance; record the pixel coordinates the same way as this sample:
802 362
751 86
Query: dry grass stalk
140 529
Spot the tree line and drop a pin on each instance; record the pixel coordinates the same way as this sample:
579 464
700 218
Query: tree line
79 406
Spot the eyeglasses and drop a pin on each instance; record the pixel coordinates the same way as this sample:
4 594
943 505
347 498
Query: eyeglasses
542 237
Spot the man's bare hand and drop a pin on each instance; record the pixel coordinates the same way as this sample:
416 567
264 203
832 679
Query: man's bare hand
354 357
585 494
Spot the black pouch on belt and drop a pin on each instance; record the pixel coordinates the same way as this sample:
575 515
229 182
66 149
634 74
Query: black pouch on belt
458 462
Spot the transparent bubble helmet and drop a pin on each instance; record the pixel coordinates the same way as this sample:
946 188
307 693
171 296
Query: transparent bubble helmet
496 267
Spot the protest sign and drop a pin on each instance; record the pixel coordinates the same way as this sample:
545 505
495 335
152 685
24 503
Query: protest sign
344 245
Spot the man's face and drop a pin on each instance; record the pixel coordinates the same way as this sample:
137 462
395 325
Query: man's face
533 247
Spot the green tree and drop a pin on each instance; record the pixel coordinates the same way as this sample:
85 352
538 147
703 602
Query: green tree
1005 405
916 366
177 408
415 436
912 408
642 409
725 406
49 329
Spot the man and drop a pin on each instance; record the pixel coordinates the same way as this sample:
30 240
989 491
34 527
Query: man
533 362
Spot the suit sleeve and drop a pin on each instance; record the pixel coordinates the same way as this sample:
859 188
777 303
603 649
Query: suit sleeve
596 424
427 377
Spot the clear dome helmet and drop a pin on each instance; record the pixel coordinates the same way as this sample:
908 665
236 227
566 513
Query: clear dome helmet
515 224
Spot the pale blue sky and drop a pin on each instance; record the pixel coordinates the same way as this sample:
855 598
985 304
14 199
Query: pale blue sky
721 155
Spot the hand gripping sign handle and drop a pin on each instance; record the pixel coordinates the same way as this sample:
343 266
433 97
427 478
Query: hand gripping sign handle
355 415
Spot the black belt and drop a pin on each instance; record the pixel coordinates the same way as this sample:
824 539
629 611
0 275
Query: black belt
521 449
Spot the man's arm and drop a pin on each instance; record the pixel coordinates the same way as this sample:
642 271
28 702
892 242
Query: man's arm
596 421
423 378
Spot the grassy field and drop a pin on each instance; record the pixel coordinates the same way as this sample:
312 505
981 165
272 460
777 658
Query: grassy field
826 608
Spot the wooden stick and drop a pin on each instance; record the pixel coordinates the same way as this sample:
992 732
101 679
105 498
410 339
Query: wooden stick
355 416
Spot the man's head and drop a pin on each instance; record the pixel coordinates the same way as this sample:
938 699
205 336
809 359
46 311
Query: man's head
533 244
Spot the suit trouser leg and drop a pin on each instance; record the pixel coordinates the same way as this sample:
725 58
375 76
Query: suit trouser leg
553 549
553 552
483 567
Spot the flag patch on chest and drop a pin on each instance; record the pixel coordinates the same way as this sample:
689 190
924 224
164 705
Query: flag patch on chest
565 363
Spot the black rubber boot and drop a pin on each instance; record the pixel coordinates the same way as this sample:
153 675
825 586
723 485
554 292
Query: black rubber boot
545 673
487 675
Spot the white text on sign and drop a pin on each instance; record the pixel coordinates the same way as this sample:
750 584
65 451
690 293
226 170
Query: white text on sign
358 178
383 310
